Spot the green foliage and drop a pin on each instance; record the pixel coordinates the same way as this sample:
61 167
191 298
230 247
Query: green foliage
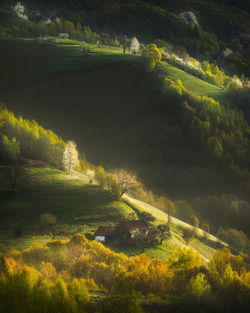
182 277
188 233
29 139
173 90
147 216
47 220
198 287
151 56
124 299
10 150
236 239
183 210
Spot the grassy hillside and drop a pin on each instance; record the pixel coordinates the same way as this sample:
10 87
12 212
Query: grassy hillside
116 113
83 207
9 19
192 83
26 61
107 89
70 198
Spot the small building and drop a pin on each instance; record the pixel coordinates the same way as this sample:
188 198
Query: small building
126 229
104 233
135 226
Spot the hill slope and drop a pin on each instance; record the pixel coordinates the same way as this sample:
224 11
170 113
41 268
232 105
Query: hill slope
83 207
106 102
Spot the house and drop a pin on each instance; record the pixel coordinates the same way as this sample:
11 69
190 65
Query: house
127 229
103 233
134 226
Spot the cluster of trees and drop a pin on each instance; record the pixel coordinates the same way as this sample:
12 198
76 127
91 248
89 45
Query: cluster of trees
23 136
236 239
204 70
58 276
66 28
223 132
163 21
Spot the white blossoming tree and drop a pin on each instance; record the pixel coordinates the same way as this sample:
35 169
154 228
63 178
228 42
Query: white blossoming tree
70 157
134 45
19 10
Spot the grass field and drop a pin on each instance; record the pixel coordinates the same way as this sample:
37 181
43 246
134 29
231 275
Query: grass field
192 83
80 205
26 61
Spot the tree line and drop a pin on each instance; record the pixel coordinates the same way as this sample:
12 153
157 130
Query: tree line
60 275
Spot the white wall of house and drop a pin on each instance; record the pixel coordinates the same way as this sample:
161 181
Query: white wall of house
100 238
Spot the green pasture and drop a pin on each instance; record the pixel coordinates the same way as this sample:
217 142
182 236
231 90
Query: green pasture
24 62
190 82
75 202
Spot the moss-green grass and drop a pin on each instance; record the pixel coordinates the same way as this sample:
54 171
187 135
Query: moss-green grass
71 199
191 83
25 61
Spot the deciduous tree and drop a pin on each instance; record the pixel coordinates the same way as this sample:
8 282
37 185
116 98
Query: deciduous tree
167 206
70 157
151 56
126 181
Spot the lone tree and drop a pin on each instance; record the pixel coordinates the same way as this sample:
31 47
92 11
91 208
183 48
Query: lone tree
13 174
134 45
125 42
70 157
100 176
48 226
126 181
167 206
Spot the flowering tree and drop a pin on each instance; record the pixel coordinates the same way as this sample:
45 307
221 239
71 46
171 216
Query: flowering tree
70 157
126 181
134 45
19 10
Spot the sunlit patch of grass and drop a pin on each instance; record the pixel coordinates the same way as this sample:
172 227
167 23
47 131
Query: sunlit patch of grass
204 250
190 82
75 202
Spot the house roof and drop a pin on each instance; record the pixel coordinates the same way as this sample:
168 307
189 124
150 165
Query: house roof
104 230
135 224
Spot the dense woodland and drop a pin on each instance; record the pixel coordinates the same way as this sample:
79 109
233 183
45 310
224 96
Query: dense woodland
65 275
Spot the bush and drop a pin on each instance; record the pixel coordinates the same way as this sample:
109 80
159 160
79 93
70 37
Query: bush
147 216
188 233
237 239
